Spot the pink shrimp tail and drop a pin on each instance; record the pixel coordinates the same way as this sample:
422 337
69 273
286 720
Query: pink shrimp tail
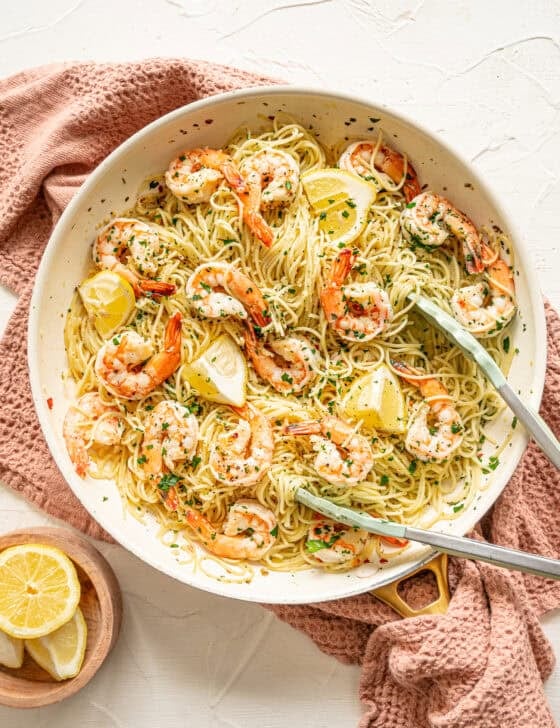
200 524
242 411
342 266
392 163
156 288
234 178
173 332
79 457
251 342
474 262
162 365
259 227
172 342
405 371
304 428
488 256
170 499
260 317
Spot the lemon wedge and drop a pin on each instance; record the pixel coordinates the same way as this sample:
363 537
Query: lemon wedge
342 201
11 651
61 653
109 300
40 590
376 398
220 373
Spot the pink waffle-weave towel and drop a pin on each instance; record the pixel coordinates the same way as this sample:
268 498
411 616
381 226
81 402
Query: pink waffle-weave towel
479 666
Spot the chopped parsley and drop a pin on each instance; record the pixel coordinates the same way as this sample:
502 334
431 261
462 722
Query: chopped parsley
314 545
493 463
168 481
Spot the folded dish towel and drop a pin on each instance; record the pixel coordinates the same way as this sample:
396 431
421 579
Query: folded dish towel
480 665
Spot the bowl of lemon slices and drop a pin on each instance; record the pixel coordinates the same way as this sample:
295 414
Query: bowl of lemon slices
60 615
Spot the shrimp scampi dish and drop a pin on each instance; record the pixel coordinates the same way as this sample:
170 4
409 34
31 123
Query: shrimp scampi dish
249 329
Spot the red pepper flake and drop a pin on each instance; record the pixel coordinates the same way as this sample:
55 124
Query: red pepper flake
50 403
383 561
208 121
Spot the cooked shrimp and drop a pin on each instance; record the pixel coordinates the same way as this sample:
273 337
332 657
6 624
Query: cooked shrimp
170 436
243 455
123 235
343 456
248 532
287 364
429 220
127 366
90 421
218 290
195 175
272 178
436 429
334 543
357 158
485 308
356 311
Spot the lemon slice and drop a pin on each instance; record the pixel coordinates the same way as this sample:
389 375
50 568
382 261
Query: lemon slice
61 653
220 373
39 590
376 398
109 299
11 651
342 201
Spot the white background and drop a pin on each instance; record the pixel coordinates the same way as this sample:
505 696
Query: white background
486 77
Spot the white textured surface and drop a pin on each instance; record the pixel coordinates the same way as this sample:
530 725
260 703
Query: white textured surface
486 76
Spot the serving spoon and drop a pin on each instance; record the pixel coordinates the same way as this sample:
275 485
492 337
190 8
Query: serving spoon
445 543
455 545
532 421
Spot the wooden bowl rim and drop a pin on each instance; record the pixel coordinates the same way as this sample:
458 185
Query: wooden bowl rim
20 692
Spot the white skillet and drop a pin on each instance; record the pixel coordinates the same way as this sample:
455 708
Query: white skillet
111 189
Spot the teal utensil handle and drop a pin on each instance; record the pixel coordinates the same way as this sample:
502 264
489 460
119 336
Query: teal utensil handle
534 424
532 421
349 516
461 337
490 553
454 545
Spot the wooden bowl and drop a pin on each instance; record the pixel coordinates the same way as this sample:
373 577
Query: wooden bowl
101 603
